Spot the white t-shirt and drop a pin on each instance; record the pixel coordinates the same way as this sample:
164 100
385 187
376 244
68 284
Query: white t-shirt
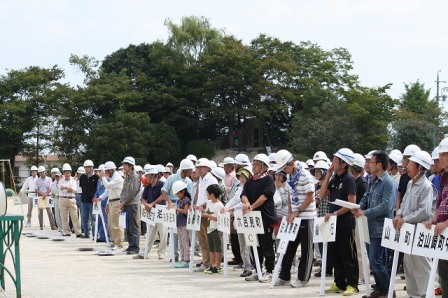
213 209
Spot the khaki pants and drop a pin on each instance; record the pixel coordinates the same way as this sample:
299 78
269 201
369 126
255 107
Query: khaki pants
151 237
116 233
68 206
202 235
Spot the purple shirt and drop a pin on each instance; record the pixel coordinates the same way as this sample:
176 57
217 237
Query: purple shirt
442 204
181 220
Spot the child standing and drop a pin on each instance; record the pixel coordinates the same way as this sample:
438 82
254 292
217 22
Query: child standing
180 190
211 212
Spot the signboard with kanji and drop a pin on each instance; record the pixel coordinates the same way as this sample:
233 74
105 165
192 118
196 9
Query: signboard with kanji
224 222
250 222
324 231
169 218
429 245
400 240
193 220
288 231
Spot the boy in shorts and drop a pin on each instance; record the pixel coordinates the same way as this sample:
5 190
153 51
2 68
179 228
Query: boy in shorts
211 211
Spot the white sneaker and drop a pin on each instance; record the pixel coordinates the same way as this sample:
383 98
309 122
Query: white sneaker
111 245
253 277
200 269
299 284
28 224
281 282
267 277
117 247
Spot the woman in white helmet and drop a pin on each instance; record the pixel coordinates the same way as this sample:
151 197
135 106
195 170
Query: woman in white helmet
29 185
417 207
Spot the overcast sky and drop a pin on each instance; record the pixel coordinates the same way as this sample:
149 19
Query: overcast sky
391 41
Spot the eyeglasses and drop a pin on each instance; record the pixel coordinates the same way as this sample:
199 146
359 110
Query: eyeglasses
373 161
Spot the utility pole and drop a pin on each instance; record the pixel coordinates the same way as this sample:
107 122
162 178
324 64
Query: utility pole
438 102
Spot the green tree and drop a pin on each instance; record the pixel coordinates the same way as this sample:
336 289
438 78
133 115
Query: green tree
418 118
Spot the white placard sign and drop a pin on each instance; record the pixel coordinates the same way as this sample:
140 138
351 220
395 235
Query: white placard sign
96 209
49 202
159 213
345 204
193 220
152 216
324 231
282 246
400 240
251 239
169 217
428 245
224 222
122 220
36 201
250 222
145 215
289 231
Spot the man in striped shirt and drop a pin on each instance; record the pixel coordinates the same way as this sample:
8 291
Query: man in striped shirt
301 205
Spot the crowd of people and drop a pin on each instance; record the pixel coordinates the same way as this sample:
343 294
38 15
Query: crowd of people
409 187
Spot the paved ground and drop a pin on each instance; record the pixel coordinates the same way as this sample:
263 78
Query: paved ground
58 269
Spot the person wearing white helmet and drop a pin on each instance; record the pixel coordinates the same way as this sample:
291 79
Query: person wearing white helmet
161 170
342 186
244 174
129 200
272 158
403 184
113 182
78 175
229 169
377 204
323 207
185 169
43 190
356 169
55 195
192 157
100 201
220 174
417 207
152 193
67 202
310 163
303 206
394 161
167 172
171 166
368 176
28 186
436 169
258 195
183 204
88 183
319 155
200 200
242 159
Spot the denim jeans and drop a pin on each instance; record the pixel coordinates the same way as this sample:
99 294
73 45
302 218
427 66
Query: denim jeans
86 211
133 235
378 264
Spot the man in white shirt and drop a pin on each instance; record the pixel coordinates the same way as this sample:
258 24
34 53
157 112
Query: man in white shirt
200 200
43 189
67 203
29 185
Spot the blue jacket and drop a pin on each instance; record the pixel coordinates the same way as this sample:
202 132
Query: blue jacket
378 203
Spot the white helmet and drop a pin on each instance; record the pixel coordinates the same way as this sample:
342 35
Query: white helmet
33 168
146 166
435 153
396 151
169 165
242 159
186 164
81 170
192 158
282 158
273 157
203 162
178 186
54 170
443 146
358 160
346 155
303 164
310 163
66 167
398 159
319 155
218 173
168 170
263 158
212 164
138 169
369 155
160 168
228 160
101 167
422 158
151 170
129 159
321 164
41 169
109 165
88 163
410 150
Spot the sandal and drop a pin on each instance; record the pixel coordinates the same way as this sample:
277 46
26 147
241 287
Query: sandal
438 291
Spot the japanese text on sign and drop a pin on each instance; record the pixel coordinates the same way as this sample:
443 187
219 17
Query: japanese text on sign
169 218
251 222
400 240
224 222
324 231
193 220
